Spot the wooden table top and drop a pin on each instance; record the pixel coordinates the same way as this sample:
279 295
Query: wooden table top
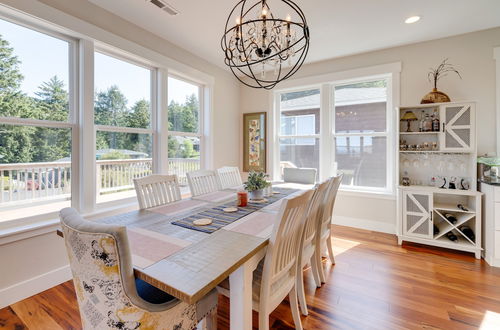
201 264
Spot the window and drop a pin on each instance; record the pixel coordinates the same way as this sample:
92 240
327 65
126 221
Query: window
361 134
36 122
299 129
123 118
184 124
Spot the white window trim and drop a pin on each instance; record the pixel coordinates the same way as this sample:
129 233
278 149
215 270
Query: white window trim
88 38
327 82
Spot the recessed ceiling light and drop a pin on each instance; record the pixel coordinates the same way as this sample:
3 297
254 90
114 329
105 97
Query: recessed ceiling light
412 19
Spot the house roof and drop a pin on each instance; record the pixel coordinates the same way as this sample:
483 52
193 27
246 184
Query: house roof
343 97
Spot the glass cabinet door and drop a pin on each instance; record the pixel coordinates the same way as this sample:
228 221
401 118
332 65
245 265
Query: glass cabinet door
457 127
417 214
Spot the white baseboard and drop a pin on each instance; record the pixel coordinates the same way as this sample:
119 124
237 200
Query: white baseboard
366 224
37 284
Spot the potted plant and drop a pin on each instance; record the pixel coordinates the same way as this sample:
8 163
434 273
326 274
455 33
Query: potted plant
255 185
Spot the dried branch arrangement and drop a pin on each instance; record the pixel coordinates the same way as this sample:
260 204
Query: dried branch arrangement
441 71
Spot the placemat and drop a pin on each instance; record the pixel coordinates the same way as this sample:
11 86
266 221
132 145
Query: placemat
221 219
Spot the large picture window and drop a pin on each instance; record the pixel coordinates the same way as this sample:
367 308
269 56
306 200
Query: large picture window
340 127
123 118
361 134
299 129
184 125
36 122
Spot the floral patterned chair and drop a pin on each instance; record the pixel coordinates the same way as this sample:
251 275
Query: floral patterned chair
109 296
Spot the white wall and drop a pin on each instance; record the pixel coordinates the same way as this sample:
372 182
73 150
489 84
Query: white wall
34 264
472 54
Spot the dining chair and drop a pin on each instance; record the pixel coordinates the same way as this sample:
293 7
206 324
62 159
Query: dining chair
324 231
229 177
108 295
275 277
299 175
202 182
156 190
308 242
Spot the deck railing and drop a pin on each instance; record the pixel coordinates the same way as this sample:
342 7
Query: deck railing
52 180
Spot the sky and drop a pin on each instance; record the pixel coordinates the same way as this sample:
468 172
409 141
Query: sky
43 57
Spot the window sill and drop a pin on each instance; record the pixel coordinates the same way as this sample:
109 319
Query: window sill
22 230
367 194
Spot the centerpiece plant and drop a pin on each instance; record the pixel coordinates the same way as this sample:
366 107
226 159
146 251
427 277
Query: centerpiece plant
256 183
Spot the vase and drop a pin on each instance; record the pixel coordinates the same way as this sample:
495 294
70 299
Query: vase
257 194
435 97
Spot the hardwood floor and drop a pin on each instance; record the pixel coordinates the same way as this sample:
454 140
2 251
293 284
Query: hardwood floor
375 284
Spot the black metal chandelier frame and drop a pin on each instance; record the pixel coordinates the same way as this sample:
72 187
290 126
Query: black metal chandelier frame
273 49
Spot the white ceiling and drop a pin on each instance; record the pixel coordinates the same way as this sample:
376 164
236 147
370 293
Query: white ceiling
338 27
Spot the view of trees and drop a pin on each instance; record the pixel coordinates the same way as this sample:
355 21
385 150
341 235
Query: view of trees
23 144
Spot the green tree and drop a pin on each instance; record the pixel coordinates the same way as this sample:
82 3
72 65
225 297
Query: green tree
184 117
53 100
15 141
110 107
139 115
50 144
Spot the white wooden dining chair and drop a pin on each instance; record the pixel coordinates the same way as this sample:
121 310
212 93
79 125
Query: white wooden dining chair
324 236
203 182
308 243
229 177
108 294
156 190
275 277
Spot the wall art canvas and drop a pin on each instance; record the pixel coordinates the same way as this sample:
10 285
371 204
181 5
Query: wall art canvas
254 142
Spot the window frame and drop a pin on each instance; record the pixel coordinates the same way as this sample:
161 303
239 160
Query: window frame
327 83
201 120
390 128
73 113
87 39
122 56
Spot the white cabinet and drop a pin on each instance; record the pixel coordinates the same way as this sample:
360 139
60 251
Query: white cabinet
491 224
417 214
425 217
457 127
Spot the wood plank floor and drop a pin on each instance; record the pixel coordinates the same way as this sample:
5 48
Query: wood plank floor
375 284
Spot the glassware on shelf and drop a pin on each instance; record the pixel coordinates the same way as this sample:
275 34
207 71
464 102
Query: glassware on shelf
435 121
427 123
421 123
416 163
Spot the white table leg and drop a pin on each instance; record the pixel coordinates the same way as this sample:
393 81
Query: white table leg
240 295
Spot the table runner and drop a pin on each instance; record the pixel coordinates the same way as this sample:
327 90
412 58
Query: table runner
221 219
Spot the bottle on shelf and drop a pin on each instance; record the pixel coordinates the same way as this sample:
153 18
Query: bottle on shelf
421 123
435 121
469 233
427 123
452 237
451 218
436 230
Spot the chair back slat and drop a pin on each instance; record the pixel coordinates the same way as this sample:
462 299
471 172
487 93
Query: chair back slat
314 212
329 202
156 190
229 177
284 244
202 182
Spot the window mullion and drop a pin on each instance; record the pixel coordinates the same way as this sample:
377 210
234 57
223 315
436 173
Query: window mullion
87 134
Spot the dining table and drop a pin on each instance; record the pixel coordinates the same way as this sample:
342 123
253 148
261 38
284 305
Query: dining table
187 262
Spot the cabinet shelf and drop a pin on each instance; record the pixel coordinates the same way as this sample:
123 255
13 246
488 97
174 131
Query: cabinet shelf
461 242
418 133
452 208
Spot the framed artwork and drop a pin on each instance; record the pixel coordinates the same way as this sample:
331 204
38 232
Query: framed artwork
254 141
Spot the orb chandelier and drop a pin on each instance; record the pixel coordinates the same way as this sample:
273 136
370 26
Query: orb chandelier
262 49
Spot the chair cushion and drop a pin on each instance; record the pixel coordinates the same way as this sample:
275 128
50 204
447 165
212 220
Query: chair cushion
151 293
